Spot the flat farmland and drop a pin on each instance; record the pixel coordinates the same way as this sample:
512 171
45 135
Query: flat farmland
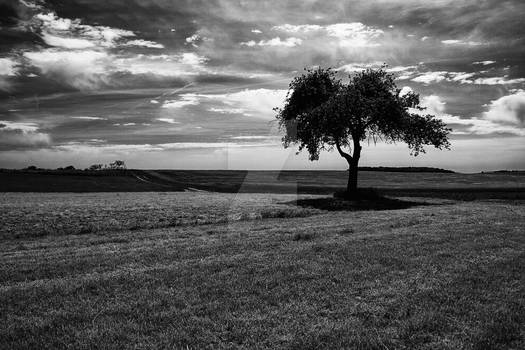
259 271
26 215
234 181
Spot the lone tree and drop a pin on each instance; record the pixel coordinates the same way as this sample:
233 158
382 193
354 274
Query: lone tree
322 113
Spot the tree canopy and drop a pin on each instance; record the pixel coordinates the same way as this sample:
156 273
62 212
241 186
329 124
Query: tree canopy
322 113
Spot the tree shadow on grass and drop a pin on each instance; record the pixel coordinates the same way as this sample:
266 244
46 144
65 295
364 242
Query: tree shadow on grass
338 204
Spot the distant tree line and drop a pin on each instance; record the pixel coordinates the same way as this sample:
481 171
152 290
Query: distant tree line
406 169
116 165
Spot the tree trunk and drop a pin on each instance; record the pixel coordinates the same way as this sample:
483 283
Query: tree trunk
353 163
351 187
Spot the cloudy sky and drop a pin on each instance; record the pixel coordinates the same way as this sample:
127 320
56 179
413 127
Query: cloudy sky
191 84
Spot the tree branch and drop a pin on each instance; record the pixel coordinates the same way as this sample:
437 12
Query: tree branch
343 153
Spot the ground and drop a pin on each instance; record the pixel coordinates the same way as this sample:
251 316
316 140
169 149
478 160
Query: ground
259 271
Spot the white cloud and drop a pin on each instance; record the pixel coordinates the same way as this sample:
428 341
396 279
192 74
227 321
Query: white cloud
358 67
193 40
8 67
51 21
464 78
90 118
302 28
81 55
256 137
508 109
498 81
67 43
256 103
398 69
407 71
227 110
145 43
192 59
72 34
256 31
430 77
354 34
130 148
288 42
250 43
485 63
197 145
461 42
106 36
168 120
185 64
17 134
186 100
84 70
476 126
434 105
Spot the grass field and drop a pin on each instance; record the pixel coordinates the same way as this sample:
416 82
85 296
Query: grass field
234 181
257 271
42 214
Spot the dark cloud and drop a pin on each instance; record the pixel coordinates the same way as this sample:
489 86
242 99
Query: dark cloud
8 14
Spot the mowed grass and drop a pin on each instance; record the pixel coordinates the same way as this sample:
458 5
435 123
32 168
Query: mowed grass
43 214
444 276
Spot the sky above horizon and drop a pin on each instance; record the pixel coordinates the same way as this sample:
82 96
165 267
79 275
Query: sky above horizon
192 84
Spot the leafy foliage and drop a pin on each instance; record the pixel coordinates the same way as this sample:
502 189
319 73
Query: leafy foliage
322 113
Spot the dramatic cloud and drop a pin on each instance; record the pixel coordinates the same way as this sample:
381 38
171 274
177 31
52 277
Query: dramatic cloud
168 120
354 34
257 103
508 109
8 67
430 77
67 33
177 65
477 126
498 81
144 43
461 42
89 118
288 42
358 67
15 134
154 72
227 110
185 100
433 104
484 63
83 69
301 28
465 78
